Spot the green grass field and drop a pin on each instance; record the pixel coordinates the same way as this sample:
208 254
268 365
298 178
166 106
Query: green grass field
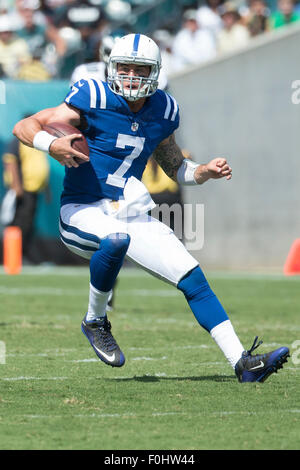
176 390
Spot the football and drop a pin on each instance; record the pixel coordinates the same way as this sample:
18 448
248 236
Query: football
60 129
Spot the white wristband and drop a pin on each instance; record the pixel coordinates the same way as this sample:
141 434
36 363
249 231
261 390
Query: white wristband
185 173
42 141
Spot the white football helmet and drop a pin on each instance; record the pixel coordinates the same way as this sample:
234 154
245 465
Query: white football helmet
134 49
106 45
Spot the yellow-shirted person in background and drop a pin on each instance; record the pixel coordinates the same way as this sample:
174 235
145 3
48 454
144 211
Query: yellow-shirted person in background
163 189
156 179
26 173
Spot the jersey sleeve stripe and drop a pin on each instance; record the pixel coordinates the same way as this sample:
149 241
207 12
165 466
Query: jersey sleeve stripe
168 107
102 94
175 109
93 93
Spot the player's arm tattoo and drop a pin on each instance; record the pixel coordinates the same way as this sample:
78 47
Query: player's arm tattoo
169 156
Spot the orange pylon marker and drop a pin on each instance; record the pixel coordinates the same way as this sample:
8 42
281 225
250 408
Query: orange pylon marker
12 250
292 264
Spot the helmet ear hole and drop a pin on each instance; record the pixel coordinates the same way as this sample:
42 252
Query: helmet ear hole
134 49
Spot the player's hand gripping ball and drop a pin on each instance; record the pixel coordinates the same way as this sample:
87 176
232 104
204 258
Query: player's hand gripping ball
60 129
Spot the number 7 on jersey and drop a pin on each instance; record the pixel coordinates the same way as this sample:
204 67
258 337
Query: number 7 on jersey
124 140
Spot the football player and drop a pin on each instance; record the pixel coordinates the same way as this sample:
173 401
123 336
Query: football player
97 70
104 205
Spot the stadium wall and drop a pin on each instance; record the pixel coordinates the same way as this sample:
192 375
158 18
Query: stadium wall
243 106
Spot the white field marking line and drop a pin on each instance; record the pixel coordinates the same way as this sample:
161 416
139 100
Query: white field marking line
189 346
14 291
72 271
252 275
156 414
171 321
280 327
57 291
196 364
124 377
129 272
85 360
145 358
78 292
51 270
33 355
50 353
46 353
157 292
63 354
158 374
12 379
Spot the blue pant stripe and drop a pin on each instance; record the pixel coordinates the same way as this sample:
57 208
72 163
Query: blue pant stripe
78 245
80 233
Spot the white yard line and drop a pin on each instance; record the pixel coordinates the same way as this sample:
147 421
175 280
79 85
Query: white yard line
57 291
14 379
124 377
136 272
156 414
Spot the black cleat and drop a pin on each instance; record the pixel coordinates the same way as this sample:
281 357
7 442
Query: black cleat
98 333
259 367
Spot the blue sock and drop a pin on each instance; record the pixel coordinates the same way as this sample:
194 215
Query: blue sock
202 300
106 262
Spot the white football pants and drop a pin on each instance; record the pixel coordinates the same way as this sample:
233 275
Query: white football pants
153 245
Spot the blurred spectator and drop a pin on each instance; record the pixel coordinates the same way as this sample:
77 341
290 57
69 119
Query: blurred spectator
118 10
33 71
34 5
55 9
45 44
257 17
74 51
86 17
26 172
164 40
234 34
208 16
98 69
5 6
37 31
163 190
14 51
284 15
192 44
33 32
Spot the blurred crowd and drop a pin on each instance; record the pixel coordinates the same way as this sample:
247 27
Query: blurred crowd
45 39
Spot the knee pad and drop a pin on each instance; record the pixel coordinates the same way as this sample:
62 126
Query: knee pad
116 244
194 284
106 263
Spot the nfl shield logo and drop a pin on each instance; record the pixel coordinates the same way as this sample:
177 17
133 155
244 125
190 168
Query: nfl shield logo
134 126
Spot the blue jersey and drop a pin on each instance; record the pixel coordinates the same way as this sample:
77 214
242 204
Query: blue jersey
119 140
